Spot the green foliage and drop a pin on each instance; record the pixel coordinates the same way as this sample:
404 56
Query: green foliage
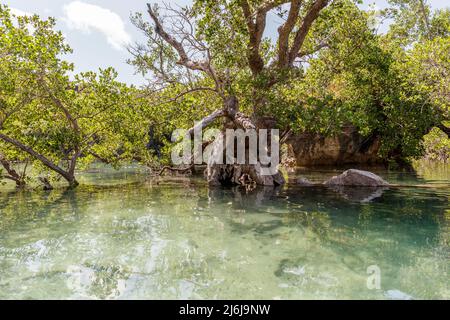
393 86
368 81
68 121
415 21
437 146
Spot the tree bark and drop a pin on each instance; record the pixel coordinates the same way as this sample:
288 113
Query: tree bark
12 173
255 16
256 27
301 34
245 175
205 122
445 129
284 33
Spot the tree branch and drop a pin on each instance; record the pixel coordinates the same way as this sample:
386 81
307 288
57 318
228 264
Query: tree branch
320 46
72 120
425 18
256 29
190 91
230 110
285 31
12 174
184 60
76 128
207 121
269 5
6 114
302 32
179 170
444 129
46 162
256 25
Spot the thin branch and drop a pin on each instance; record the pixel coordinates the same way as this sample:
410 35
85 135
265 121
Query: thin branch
317 48
72 120
425 18
6 115
270 5
191 91
180 170
12 173
184 60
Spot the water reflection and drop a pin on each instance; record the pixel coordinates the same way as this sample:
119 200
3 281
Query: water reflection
180 239
359 194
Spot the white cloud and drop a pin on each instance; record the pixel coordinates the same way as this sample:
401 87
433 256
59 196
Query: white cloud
86 17
19 13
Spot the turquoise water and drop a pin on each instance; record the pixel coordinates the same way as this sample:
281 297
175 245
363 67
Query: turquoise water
122 235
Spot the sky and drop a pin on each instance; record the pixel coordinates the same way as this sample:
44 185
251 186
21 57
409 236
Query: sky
100 30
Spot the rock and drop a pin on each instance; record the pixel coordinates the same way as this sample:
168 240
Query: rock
303 182
360 178
346 148
279 179
363 195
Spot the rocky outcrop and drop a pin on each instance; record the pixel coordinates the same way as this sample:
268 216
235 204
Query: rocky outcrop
349 147
352 177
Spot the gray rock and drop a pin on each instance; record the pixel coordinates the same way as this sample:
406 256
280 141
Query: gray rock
303 182
360 178
363 195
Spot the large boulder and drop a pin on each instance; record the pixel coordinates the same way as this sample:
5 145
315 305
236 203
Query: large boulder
355 178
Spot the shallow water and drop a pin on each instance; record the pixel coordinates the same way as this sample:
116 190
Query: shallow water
176 238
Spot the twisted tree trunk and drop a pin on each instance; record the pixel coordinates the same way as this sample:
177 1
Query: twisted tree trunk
248 175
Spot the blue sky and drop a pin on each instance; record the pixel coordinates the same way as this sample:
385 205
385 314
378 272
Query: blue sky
99 30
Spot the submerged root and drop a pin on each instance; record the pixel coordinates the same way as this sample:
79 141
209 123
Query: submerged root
247 182
46 183
188 170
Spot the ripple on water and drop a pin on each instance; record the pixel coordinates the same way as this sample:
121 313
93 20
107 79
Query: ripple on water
179 239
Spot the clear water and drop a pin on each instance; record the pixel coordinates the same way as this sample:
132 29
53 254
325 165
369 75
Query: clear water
122 236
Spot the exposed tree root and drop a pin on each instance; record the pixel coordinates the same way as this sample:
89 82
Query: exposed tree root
47 185
179 170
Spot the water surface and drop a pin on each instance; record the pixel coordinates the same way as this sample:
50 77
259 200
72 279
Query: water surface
123 236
